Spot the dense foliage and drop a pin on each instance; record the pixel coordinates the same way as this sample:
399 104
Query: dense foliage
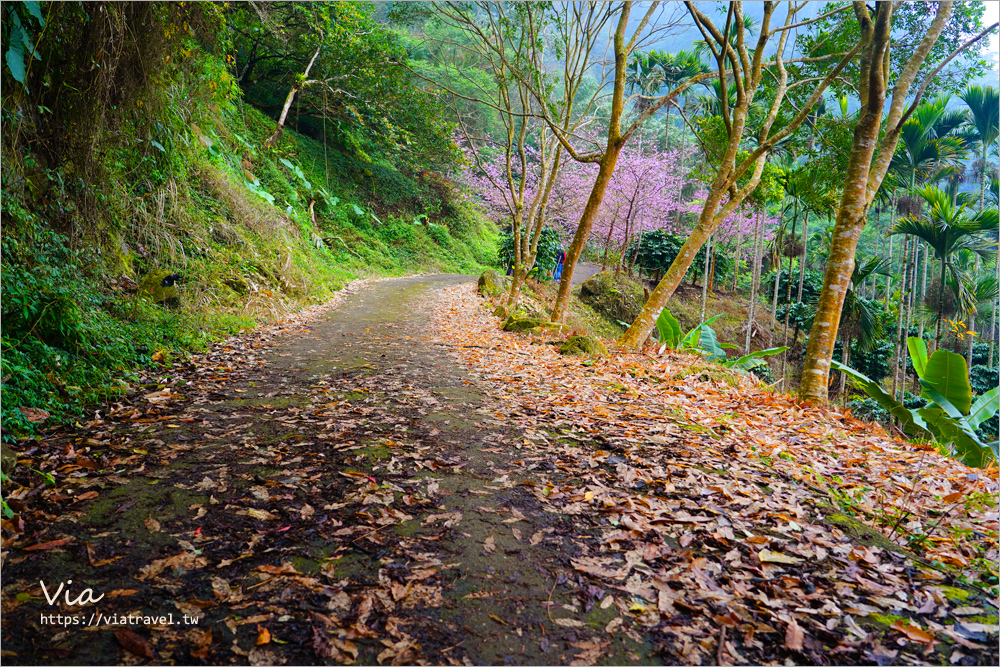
656 250
549 246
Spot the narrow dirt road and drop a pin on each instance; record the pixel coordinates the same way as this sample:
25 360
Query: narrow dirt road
584 271
346 496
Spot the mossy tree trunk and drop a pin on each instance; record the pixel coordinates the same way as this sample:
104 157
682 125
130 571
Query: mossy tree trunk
864 174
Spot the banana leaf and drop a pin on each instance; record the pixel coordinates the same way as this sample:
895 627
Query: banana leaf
669 329
754 357
986 406
709 344
918 354
947 374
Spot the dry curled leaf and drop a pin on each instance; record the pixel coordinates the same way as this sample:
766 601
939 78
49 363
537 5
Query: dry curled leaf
202 642
134 643
45 546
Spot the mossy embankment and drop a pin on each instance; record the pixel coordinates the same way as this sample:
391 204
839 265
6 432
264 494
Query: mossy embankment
252 234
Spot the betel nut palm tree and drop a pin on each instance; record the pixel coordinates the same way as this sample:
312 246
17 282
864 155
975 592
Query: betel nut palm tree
948 228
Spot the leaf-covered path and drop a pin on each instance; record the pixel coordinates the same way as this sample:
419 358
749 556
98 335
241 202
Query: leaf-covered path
394 480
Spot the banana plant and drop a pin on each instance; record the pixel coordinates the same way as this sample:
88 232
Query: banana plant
703 340
951 418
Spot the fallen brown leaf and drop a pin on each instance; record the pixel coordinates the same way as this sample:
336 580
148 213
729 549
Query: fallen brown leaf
45 546
134 643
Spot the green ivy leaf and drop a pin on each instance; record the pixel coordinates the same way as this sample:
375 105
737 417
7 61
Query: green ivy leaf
15 61
35 10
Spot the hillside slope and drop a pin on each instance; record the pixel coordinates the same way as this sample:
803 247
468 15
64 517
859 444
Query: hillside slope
251 234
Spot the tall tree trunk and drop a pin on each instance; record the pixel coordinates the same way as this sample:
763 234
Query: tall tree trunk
892 221
864 176
972 324
607 244
274 138
888 278
926 260
607 169
704 280
899 326
758 239
777 285
910 302
516 283
711 273
711 217
788 300
847 230
526 243
939 330
739 257
677 218
845 358
982 204
993 332
805 255
666 128
607 164
802 270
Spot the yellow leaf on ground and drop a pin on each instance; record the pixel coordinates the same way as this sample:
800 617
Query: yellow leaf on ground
768 556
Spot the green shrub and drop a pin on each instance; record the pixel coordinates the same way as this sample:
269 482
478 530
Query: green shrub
440 234
658 249
812 285
549 245
397 232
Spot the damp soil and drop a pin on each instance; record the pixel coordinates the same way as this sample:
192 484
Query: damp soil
349 496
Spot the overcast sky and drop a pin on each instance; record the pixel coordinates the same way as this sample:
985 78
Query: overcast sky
991 16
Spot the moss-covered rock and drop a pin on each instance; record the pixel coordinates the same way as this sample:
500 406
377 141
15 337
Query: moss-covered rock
617 297
502 312
491 283
523 324
583 346
159 286
518 323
